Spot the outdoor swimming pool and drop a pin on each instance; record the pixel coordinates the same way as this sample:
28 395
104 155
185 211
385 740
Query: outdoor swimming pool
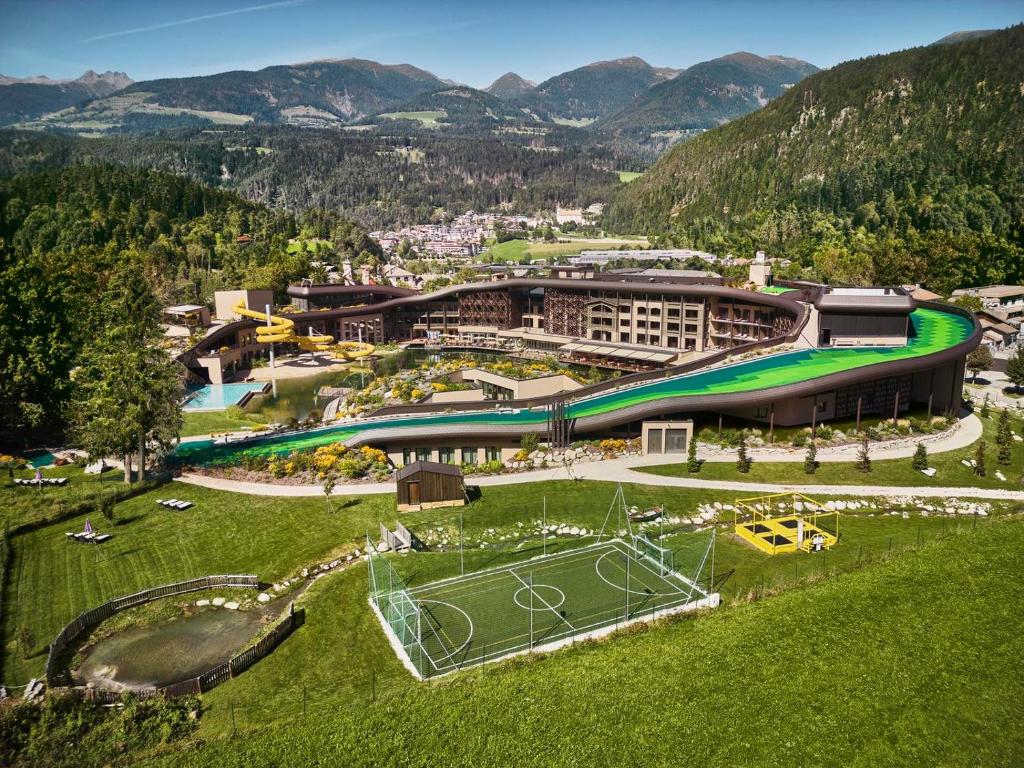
217 397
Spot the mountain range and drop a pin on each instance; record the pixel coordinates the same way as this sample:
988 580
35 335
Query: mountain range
29 97
358 92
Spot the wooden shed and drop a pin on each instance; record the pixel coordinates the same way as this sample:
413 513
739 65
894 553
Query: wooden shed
429 484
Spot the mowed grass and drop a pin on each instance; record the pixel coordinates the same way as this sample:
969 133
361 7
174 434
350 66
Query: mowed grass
950 469
911 661
627 176
426 118
515 250
207 422
50 580
341 658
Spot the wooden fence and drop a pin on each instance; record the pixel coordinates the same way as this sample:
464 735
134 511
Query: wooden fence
212 677
56 675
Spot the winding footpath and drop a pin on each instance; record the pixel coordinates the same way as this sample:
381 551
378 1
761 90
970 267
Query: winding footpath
623 470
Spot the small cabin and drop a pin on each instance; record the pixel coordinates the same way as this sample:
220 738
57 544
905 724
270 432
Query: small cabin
429 484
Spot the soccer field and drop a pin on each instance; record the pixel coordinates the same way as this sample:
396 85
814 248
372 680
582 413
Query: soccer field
537 604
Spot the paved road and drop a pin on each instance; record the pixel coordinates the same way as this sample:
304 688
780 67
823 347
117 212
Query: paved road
624 471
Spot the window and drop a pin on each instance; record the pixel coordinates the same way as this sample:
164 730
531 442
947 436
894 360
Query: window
673 341
655 312
469 455
691 328
762 412
673 326
423 454
675 441
673 312
691 314
407 456
446 455
492 454
624 337
655 441
624 322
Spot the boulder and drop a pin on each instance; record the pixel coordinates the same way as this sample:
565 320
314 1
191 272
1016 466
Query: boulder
218 601
202 603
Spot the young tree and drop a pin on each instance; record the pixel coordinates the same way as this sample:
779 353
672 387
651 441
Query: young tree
980 360
107 510
985 410
1004 438
1015 368
328 485
128 391
811 459
743 460
692 462
920 460
863 462
979 459
529 442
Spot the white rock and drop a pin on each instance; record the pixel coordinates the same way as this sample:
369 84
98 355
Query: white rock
218 601
202 603
263 597
232 606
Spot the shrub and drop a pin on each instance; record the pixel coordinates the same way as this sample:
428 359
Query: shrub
743 460
863 462
529 442
920 460
692 462
979 459
811 459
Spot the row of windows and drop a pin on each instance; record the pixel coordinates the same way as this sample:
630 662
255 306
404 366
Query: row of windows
447 455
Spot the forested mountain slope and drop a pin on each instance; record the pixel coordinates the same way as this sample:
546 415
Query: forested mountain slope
26 98
705 96
873 157
593 91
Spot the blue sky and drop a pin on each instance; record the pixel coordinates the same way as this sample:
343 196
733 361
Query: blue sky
472 42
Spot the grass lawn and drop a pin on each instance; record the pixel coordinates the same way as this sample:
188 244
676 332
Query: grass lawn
427 118
49 580
514 250
627 176
914 660
345 652
206 422
951 472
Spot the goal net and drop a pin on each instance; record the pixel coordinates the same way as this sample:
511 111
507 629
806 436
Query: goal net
646 550
389 593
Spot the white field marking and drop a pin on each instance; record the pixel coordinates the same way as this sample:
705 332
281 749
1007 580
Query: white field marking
469 637
560 616
559 604
509 566
585 632
597 569
459 591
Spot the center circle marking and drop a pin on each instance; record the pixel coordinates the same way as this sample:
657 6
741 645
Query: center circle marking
541 598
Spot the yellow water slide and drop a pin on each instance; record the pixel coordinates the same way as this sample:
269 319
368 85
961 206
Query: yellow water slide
282 329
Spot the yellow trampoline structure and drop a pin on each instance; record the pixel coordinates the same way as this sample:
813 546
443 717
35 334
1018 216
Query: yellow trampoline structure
282 329
786 522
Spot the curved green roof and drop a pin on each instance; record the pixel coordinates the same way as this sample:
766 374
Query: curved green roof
934 331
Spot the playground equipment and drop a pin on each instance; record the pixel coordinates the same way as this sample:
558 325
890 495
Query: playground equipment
773 529
282 329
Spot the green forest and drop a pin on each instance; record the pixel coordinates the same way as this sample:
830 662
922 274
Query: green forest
64 232
376 178
907 167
